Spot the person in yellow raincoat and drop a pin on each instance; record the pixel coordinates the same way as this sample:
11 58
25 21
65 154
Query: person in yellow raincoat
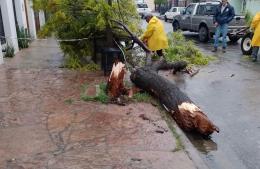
155 36
255 25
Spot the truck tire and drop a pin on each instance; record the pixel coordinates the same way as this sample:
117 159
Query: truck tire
233 38
203 34
246 44
165 18
175 26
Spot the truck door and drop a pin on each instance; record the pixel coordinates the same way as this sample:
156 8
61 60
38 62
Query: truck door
198 17
186 17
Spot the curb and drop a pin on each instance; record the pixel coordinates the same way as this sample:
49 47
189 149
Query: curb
191 151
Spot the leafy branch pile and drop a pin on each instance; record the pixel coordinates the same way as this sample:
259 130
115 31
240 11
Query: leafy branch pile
248 17
183 49
76 19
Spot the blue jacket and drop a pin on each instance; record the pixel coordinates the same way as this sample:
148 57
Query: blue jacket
225 17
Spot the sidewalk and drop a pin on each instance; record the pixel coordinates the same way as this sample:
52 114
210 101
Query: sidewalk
45 125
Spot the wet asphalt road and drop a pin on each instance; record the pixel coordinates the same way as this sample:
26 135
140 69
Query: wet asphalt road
228 90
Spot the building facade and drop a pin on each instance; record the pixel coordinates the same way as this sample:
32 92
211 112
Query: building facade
16 14
242 6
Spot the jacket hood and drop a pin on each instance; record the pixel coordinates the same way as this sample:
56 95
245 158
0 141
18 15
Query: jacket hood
153 20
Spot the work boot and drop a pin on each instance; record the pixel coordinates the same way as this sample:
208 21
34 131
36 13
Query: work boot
224 49
215 49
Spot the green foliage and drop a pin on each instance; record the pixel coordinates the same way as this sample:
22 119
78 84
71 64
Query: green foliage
90 67
248 17
76 19
74 62
183 49
160 2
101 97
9 51
22 35
142 97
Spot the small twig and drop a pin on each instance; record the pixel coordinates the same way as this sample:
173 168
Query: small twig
194 73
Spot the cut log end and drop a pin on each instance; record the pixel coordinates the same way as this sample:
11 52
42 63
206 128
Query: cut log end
191 117
115 84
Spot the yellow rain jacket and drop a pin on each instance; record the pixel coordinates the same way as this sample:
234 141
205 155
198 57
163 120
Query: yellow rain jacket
155 36
255 25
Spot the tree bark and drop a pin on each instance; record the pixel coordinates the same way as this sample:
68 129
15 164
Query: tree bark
187 115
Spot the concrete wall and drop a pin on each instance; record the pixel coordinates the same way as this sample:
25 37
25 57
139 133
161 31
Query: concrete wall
31 19
253 6
1 55
20 13
9 23
237 4
150 4
42 18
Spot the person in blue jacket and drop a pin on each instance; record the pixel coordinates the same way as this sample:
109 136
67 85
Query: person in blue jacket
224 14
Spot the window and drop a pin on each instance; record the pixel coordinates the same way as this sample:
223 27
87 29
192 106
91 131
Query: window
174 10
201 10
181 9
206 9
211 9
189 9
142 6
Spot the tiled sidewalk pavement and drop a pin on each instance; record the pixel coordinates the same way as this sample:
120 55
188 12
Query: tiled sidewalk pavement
45 125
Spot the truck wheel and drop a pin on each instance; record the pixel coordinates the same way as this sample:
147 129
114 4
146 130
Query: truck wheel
233 38
165 18
203 34
246 44
175 26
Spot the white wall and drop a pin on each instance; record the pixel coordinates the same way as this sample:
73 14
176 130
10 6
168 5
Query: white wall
1 55
20 13
9 23
150 4
42 18
31 19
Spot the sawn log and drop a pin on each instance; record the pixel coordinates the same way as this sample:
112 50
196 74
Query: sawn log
186 114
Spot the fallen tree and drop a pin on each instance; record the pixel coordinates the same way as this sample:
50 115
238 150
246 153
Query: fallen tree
186 113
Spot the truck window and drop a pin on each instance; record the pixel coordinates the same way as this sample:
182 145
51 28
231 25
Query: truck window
210 9
201 10
174 10
189 9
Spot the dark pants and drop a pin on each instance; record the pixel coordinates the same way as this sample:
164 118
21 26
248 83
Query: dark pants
255 52
159 52
221 29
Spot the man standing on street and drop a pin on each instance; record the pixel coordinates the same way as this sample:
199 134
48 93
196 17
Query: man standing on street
155 36
224 14
255 25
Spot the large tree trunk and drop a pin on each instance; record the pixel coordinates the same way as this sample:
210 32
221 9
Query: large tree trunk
187 115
